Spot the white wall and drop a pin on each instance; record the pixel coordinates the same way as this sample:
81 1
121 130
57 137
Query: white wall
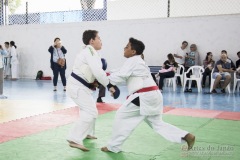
161 36
135 9
203 7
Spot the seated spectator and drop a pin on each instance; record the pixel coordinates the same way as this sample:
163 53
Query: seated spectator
168 70
208 64
222 71
238 65
238 72
238 61
191 59
229 60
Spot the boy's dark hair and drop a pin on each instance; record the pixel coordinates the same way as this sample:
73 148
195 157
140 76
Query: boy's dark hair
57 39
137 45
7 43
238 53
88 35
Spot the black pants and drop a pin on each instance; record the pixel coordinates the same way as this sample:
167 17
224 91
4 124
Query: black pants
206 73
154 78
189 73
178 78
188 76
163 76
56 70
102 91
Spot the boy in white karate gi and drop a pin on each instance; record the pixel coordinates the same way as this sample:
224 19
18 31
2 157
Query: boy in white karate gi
87 68
145 102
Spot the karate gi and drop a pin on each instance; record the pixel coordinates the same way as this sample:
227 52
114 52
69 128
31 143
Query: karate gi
14 62
7 61
137 75
88 66
2 53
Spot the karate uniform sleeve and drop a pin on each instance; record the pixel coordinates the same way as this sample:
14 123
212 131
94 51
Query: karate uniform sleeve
13 54
95 65
123 74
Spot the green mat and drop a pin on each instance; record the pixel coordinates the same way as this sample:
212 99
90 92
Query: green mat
215 139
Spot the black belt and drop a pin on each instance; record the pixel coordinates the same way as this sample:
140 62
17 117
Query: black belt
88 85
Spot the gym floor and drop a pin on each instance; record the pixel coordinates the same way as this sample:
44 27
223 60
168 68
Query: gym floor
34 122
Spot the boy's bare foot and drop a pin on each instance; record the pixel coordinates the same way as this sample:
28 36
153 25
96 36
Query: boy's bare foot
190 139
105 149
91 137
78 146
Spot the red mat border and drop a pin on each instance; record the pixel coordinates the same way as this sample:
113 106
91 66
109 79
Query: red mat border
35 124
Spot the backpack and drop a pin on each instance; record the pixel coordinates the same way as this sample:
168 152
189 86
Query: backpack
39 75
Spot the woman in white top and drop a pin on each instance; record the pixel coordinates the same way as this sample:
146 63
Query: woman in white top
14 60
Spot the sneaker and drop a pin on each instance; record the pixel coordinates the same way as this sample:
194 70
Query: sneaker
3 97
223 91
55 90
64 89
214 91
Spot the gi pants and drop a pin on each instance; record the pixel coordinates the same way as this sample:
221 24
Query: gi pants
88 113
128 118
15 70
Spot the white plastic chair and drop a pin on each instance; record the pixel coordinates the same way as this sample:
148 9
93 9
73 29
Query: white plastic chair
196 76
178 73
169 81
236 82
212 82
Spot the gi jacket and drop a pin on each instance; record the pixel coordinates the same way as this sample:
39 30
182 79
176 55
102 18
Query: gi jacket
88 66
136 74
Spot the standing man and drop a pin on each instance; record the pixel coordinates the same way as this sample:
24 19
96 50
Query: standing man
180 54
102 89
144 103
101 93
